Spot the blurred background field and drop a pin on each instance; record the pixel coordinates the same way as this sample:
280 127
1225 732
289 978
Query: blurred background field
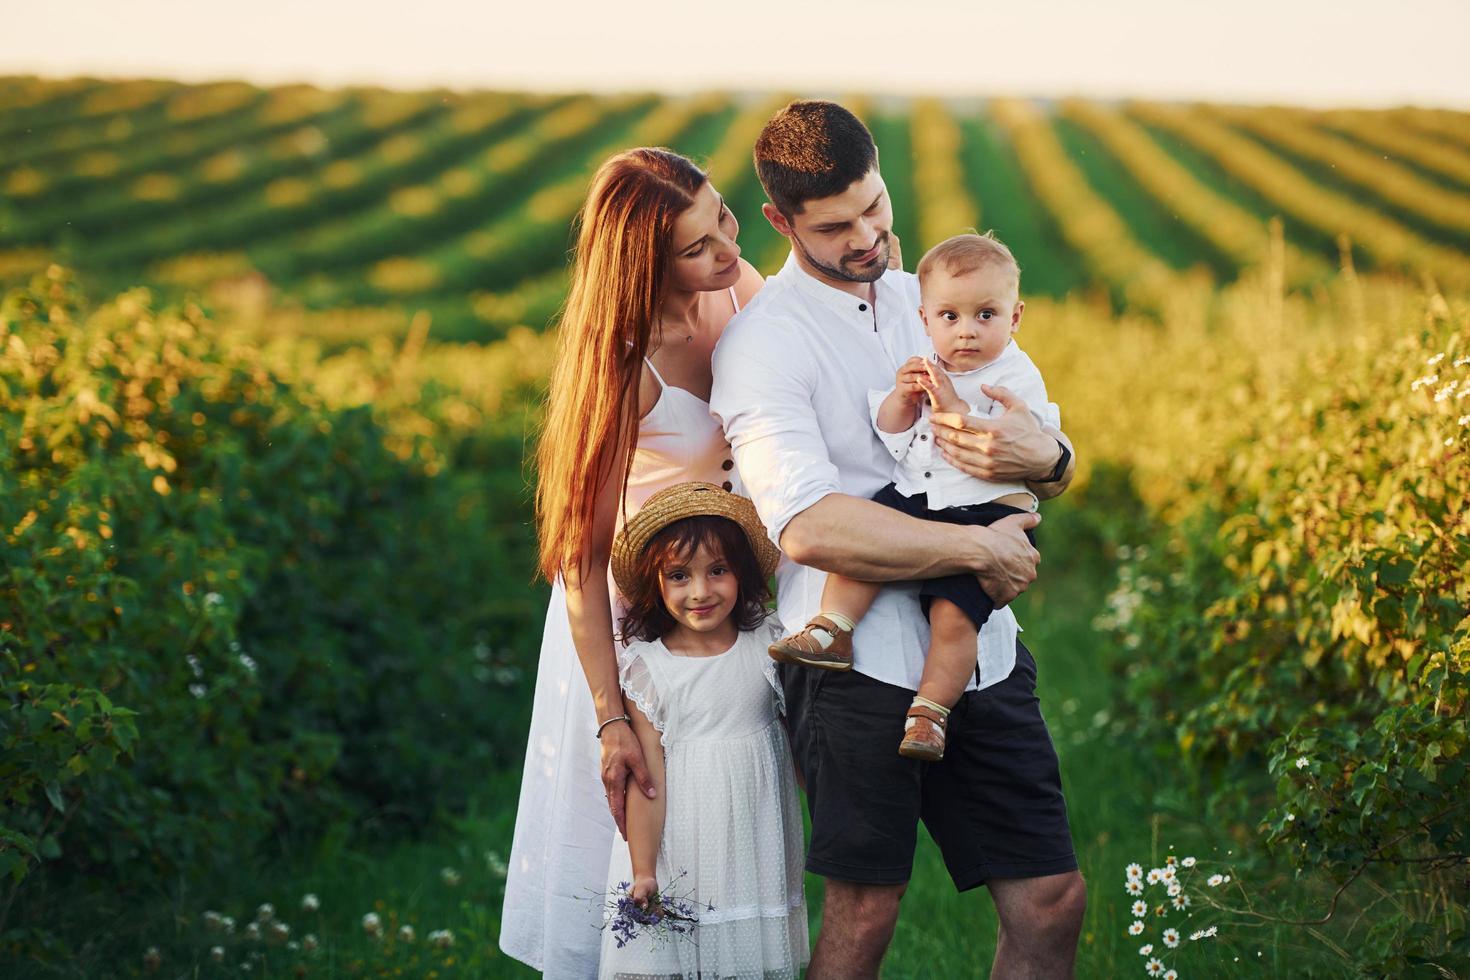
271 359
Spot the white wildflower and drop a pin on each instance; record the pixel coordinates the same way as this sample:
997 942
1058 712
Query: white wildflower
1436 359
449 876
1154 967
1465 419
1171 975
227 924
1166 874
217 953
1188 862
1171 938
1135 928
252 931
265 913
1135 887
293 946
248 662
279 931
1154 874
1170 861
198 690
1134 871
1175 889
1212 932
441 938
308 942
214 921
1194 937
1462 361
496 864
1140 909
1291 818
1301 762
405 933
194 666
213 598
310 903
372 925
1181 901
1147 949
1214 881
1424 382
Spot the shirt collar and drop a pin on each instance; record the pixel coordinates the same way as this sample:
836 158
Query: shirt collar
850 307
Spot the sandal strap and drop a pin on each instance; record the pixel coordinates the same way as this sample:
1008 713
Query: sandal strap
927 713
810 644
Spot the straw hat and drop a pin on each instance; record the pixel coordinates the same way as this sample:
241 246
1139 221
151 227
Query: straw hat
687 500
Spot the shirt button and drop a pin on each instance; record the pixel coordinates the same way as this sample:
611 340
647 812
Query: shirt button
728 485
863 307
928 475
923 438
728 464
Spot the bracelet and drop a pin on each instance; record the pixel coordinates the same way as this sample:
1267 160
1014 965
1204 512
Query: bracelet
609 722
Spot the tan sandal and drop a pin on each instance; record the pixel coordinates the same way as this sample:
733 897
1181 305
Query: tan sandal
805 650
923 734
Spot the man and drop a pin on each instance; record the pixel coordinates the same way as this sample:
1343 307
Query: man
792 374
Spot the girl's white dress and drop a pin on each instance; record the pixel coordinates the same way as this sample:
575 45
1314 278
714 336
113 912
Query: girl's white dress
732 821
550 919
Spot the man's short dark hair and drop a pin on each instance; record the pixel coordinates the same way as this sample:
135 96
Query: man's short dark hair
810 150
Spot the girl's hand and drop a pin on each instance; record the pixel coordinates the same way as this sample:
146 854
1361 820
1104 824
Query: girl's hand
910 381
622 757
645 890
940 389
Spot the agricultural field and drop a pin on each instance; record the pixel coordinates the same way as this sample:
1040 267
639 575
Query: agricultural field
270 364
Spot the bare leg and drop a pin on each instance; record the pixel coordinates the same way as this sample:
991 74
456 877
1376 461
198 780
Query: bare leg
1040 919
857 926
848 596
950 663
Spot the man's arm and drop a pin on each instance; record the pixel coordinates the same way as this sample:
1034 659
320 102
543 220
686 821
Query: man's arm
867 541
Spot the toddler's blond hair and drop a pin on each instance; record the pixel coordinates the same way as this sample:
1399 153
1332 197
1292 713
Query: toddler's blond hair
965 253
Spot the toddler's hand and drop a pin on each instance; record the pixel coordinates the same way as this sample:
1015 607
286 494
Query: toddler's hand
645 890
911 379
940 389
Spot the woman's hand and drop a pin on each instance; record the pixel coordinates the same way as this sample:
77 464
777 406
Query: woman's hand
622 757
645 890
1009 449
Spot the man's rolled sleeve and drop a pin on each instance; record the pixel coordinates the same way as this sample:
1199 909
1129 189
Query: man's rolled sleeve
764 403
897 443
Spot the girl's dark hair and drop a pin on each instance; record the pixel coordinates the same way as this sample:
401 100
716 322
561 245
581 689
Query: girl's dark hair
810 150
647 619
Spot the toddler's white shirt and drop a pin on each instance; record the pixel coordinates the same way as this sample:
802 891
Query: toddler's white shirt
920 468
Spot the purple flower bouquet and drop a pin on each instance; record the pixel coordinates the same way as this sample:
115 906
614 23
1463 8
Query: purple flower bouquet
668 915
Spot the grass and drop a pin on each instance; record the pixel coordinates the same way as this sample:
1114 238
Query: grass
1127 803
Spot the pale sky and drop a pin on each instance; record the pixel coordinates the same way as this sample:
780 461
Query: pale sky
1347 52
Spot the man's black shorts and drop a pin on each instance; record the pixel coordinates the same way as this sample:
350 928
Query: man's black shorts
962 590
993 803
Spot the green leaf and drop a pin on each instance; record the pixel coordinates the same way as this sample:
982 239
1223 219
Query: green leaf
53 793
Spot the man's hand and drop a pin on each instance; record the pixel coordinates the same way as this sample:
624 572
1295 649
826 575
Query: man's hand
1012 565
1008 449
622 756
942 396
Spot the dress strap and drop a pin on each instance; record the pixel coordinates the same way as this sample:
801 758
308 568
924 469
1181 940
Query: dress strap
734 300
658 377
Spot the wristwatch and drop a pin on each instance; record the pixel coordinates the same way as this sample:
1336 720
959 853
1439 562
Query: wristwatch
1061 467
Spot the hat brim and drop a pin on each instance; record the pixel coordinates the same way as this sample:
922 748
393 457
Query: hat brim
676 503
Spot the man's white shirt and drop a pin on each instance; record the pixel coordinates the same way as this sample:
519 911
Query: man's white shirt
921 468
792 373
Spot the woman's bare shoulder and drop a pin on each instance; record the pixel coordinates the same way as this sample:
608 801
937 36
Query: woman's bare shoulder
749 283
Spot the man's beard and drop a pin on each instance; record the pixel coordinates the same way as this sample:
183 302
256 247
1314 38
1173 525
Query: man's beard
868 273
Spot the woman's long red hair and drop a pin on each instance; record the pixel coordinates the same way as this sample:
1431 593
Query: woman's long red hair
619 279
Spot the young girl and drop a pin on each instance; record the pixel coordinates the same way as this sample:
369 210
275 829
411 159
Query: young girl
724 829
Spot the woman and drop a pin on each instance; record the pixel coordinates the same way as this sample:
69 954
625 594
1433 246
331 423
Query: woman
656 277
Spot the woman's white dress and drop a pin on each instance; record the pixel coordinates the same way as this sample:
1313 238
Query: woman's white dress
564 833
732 824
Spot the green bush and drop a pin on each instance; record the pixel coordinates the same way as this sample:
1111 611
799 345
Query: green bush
306 616
1310 618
